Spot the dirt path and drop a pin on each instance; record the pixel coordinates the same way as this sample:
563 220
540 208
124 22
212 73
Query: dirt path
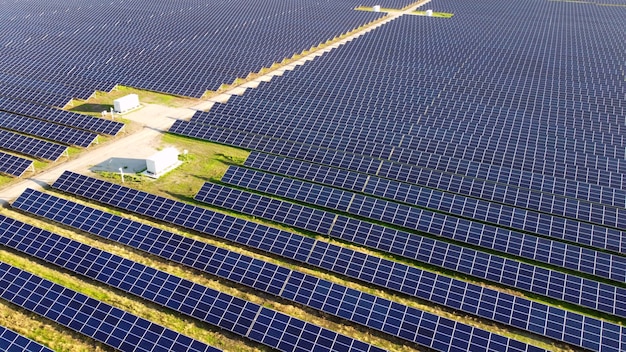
154 120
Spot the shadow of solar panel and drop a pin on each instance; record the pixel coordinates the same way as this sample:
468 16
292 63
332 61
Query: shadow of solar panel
62 117
244 318
88 316
13 165
50 131
425 221
508 216
289 284
31 146
12 341
557 285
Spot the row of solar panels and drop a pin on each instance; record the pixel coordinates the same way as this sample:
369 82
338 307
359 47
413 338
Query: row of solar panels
244 318
394 276
427 175
44 133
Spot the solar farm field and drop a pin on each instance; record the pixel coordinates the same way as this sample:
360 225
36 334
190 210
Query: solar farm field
385 176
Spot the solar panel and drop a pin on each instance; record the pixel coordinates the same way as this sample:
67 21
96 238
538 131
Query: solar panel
22 81
545 224
88 316
557 285
251 117
155 57
525 198
271 278
31 146
425 221
62 117
475 157
242 317
47 130
14 165
33 95
12 341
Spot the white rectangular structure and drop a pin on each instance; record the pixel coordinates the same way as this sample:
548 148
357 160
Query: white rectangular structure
126 103
162 162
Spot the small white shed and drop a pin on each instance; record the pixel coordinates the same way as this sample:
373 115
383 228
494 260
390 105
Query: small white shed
162 162
126 103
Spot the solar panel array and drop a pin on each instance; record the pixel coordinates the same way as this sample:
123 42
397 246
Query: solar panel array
67 118
43 122
13 342
260 324
88 316
49 131
441 141
152 51
498 214
425 221
33 147
479 131
476 187
560 286
271 278
323 295
13 165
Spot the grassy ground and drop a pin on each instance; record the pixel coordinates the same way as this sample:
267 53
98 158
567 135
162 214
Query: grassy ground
103 101
203 162
435 14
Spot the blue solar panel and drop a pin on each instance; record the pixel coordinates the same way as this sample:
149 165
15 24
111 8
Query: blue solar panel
11 341
520 197
153 52
468 156
13 165
88 316
271 278
65 90
425 221
544 224
560 286
67 118
33 95
225 311
50 131
31 146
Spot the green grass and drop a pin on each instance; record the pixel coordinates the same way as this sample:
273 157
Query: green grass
203 162
103 101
